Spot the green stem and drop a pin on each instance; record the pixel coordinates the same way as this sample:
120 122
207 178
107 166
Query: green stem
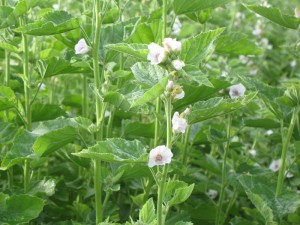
160 217
224 174
84 97
285 146
186 142
164 30
7 68
27 93
156 132
99 117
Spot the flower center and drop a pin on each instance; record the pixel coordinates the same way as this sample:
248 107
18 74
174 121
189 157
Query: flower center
235 92
158 158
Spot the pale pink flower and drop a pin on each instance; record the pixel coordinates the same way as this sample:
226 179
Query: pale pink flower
275 165
171 45
237 90
159 156
157 54
81 47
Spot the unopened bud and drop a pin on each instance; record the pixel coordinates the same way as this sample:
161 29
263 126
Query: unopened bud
187 111
170 85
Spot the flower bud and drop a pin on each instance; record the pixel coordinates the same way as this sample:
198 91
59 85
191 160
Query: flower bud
187 112
179 125
178 92
178 64
170 86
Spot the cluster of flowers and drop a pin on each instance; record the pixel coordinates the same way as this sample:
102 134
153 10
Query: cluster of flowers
170 51
162 155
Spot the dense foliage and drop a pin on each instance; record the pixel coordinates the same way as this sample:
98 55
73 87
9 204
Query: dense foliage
153 112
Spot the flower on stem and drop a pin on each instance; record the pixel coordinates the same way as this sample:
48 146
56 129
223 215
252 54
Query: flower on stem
159 156
178 64
157 54
237 90
178 92
179 124
275 165
42 86
171 45
81 47
297 13
176 28
187 112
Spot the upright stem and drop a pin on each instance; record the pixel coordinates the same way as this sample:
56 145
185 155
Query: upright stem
164 30
186 142
7 68
161 186
27 93
99 119
224 173
285 146
84 97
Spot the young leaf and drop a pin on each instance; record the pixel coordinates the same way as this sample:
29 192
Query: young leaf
147 213
276 16
9 47
196 49
52 23
177 192
20 209
116 150
182 7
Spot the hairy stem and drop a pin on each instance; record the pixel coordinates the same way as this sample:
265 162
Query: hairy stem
224 174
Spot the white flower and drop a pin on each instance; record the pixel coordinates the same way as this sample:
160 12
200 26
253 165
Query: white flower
171 45
212 193
179 125
237 90
297 13
253 72
107 113
293 64
224 74
178 64
81 47
275 165
269 132
176 28
159 156
42 86
244 59
252 152
157 54
55 6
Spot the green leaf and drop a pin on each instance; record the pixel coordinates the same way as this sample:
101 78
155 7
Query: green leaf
142 34
192 73
6 17
147 214
20 150
56 66
20 209
111 16
148 74
52 23
118 100
116 150
262 193
196 49
198 93
9 47
140 129
183 223
7 98
44 186
236 44
177 192
216 107
262 123
42 112
7 132
276 16
140 98
58 133
182 7
139 51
